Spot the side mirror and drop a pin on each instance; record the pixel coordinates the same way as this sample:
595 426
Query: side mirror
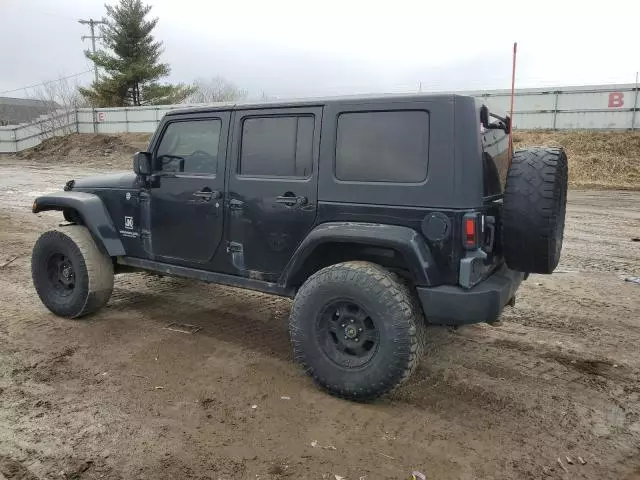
142 163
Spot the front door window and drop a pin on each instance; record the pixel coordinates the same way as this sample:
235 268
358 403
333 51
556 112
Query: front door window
190 147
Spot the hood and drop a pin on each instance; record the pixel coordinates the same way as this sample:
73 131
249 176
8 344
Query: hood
123 180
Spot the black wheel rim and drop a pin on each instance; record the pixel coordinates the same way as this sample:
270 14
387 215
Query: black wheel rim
347 334
61 274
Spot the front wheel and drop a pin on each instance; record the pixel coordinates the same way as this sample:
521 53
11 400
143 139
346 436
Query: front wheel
357 330
72 276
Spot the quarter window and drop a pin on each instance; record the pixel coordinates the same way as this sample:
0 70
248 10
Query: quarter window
385 146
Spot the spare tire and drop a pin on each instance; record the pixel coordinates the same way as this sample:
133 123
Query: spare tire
535 201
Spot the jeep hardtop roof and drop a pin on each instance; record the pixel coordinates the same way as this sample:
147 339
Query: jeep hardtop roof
319 101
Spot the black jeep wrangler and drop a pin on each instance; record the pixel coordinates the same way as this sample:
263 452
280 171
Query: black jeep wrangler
378 215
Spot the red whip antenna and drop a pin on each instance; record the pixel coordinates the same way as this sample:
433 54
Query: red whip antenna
513 94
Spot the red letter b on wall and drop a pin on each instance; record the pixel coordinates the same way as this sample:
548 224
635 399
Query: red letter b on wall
616 99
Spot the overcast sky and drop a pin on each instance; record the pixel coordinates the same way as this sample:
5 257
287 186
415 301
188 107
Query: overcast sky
329 47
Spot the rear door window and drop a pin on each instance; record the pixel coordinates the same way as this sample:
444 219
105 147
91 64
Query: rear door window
278 146
385 146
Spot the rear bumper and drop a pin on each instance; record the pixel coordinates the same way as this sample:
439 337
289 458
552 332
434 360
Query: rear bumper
449 305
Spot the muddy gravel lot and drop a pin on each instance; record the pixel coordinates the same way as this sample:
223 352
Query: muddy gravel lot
119 396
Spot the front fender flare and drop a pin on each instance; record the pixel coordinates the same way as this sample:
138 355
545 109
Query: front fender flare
405 240
94 215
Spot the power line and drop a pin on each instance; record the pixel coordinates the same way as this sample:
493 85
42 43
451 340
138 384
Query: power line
46 83
92 24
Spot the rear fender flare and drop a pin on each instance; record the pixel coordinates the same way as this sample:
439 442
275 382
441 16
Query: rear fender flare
404 240
94 215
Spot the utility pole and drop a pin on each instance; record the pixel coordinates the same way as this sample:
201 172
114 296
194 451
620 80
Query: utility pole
92 25
635 105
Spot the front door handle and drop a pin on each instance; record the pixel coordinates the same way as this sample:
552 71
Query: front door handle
291 200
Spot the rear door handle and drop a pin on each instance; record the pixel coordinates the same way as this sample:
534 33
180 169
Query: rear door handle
236 204
291 201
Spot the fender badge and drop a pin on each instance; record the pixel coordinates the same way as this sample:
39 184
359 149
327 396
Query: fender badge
127 196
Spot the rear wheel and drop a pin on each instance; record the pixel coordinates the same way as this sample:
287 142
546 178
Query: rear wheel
357 330
533 216
72 276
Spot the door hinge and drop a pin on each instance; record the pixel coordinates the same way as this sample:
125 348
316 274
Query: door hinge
234 247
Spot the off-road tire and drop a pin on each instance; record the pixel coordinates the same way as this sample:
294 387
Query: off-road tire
389 303
533 215
92 268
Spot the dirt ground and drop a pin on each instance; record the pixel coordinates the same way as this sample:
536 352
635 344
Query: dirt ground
118 396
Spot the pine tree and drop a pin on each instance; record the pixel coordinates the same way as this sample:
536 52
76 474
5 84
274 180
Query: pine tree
131 61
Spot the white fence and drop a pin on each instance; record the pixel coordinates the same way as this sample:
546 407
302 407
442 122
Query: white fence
16 138
603 107
119 120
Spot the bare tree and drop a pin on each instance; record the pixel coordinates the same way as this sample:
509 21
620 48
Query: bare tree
215 89
59 101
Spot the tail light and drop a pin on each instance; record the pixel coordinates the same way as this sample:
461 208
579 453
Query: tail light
470 231
478 231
